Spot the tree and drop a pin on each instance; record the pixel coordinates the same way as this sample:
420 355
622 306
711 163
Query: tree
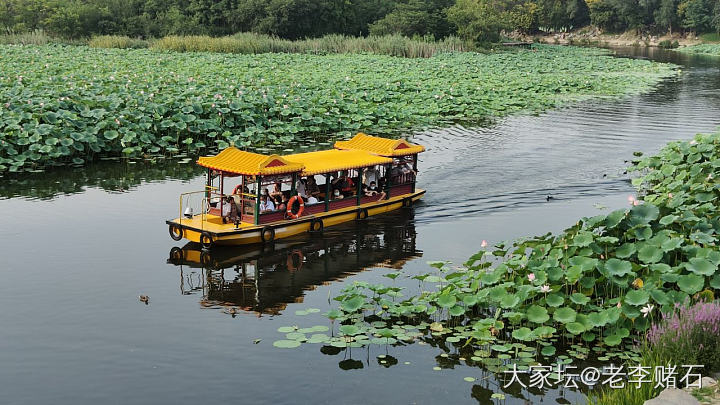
666 15
696 15
415 17
478 21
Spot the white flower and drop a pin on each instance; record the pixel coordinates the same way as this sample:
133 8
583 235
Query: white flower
545 288
646 310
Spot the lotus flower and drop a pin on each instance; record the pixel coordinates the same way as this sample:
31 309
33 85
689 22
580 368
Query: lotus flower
531 277
646 310
483 243
545 288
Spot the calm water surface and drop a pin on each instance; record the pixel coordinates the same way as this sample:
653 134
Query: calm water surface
79 246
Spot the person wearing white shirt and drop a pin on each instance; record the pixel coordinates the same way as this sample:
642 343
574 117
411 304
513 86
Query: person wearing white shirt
266 204
300 188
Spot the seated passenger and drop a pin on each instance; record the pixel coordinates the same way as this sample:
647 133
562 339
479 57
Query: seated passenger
311 188
300 188
372 190
337 195
266 204
229 210
370 174
282 205
344 184
277 192
312 200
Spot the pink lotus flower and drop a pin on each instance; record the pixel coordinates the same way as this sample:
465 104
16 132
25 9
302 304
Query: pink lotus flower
531 277
670 195
636 202
619 304
545 288
483 243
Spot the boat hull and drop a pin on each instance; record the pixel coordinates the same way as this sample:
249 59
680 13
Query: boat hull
205 226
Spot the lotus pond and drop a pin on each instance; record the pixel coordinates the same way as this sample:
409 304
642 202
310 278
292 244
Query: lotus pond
82 243
73 104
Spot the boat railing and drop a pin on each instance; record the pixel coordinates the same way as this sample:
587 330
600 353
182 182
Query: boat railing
195 202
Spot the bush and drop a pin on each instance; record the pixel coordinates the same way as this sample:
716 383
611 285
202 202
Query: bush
689 334
667 44
117 41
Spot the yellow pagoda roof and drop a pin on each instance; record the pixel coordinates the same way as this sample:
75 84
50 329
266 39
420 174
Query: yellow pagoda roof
380 146
334 160
234 160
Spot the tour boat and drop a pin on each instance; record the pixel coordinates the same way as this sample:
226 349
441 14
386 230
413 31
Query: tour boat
361 177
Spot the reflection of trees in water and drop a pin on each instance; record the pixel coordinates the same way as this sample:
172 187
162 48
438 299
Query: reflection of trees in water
265 278
107 175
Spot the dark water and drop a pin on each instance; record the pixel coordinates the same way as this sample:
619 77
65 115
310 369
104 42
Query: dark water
80 245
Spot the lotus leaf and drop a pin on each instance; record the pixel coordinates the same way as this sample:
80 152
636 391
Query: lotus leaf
637 297
564 315
537 314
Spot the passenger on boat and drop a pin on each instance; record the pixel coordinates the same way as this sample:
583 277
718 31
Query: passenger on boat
370 175
344 184
337 195
312 200
311 188
277 192
266 204
282 205
300 188
229 210
372 190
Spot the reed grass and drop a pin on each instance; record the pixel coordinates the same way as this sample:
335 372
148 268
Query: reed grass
251 43
35 37
117 41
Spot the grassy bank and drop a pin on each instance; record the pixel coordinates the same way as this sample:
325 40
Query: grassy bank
68 104
702 49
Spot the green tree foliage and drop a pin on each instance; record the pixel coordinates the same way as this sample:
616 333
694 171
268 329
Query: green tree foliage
696 15
478 21
416 17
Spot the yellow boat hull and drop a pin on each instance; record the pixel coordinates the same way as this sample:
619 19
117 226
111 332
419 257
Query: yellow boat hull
206 226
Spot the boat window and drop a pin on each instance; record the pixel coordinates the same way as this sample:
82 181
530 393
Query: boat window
403 171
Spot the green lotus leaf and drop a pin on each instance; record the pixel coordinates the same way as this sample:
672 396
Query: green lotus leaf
625 250
637 297
643 213
286 344
583 238
690 283
617 267
565 315
650 254
523 334
349 330
575 328
612 340
352 304
614 218
446 300
509 301
580 299
554 300
701 266
537 314
457 310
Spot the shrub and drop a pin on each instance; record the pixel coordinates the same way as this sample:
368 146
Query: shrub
667 44
690 334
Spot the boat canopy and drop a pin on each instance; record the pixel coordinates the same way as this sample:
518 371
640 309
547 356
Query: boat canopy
380 146
233 160
361 151
333 160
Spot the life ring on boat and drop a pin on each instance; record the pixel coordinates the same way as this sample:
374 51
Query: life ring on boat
316 225
362 213
206 240
176 255
295 260
291 204
267 234
176 233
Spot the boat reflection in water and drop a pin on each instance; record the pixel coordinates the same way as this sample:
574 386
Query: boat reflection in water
265 278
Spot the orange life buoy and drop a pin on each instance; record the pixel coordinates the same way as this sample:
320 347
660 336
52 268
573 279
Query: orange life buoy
295 260
290 204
